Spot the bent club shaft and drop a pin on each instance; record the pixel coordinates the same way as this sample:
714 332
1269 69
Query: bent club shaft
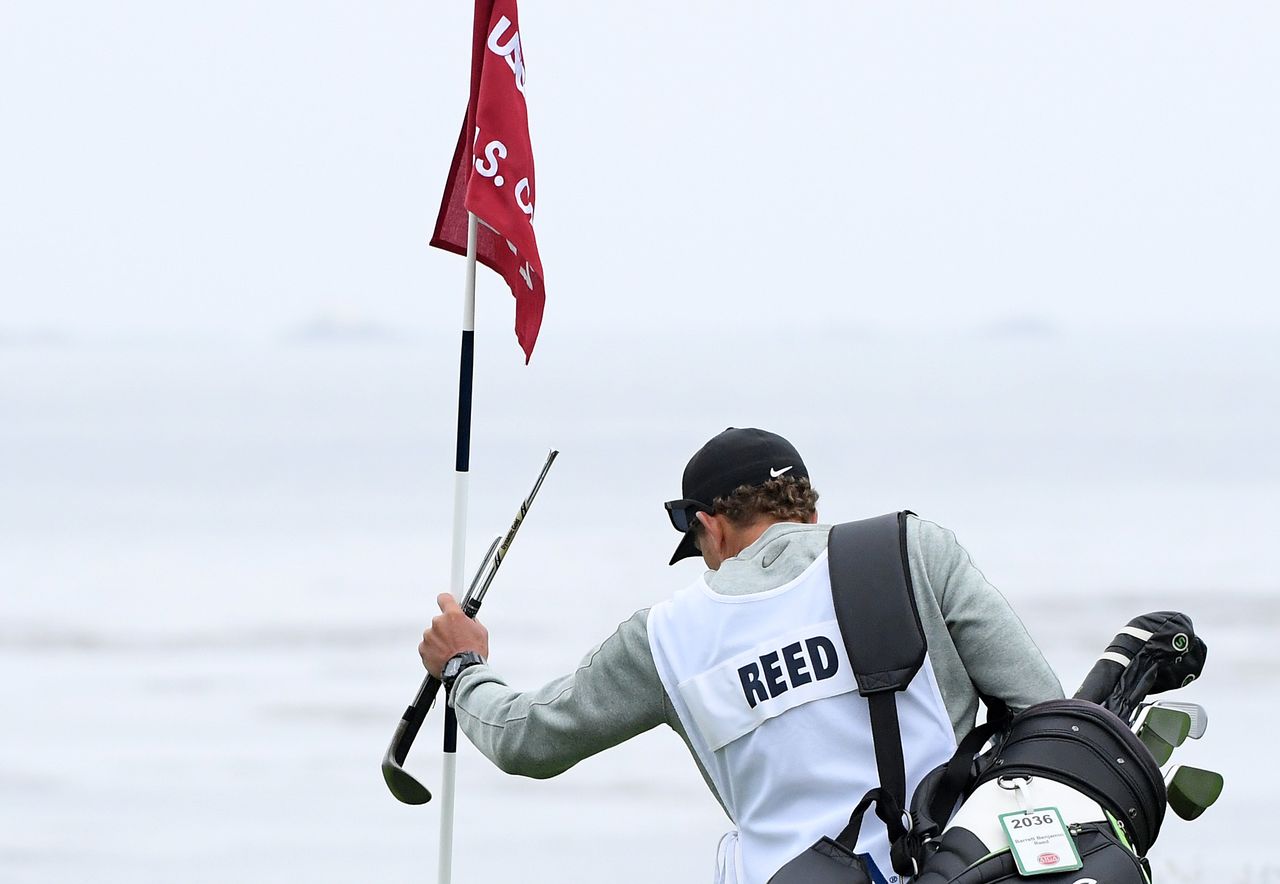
402 784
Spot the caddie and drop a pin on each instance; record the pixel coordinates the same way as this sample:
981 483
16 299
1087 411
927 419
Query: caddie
748 666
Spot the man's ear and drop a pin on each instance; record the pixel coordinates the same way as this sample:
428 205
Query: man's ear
712 530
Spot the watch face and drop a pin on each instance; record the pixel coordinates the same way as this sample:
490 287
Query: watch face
459 662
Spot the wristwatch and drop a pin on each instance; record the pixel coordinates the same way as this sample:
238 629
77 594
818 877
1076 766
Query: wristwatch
454 665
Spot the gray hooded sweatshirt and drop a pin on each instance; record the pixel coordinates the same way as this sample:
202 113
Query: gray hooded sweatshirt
977 645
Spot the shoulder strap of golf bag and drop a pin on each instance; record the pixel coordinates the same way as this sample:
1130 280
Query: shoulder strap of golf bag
876 609
938 794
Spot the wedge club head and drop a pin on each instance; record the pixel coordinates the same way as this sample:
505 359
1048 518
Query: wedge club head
402 784
1192 790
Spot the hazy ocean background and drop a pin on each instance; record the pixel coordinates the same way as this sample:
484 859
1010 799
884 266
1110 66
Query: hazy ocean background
217 555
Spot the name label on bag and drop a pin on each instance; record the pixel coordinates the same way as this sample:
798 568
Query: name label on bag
1040 841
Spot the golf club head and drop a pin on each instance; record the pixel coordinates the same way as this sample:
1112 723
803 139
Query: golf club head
1199 717
1192 790
402 784
1162 730
1160 750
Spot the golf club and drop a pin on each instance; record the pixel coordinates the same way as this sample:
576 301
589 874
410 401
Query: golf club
402 784
1192 790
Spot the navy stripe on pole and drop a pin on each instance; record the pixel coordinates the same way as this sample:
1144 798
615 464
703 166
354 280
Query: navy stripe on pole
450 727
466 368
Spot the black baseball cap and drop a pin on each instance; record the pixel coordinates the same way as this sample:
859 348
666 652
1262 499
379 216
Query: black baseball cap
730 460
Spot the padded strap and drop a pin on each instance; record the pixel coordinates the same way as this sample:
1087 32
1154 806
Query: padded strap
875 604
880 624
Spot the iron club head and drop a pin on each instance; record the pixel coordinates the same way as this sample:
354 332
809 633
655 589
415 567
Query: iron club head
1162 730
1192 790
1199 717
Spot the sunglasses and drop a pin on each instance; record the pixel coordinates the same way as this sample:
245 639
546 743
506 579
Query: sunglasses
681 513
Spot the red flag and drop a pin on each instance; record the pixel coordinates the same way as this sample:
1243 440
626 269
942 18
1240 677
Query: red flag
492 171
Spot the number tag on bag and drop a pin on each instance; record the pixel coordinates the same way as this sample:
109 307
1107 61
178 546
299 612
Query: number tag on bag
1040 841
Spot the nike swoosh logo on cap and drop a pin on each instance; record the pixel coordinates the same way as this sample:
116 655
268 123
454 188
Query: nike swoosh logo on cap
776 473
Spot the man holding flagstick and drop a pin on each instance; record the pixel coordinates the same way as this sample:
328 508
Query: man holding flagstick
749 511
797 754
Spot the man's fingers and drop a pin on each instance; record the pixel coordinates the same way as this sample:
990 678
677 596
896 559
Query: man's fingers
448 604
451 631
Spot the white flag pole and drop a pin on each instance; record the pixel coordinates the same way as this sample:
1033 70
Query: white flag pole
466 371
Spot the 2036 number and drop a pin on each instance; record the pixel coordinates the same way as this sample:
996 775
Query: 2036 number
1031 819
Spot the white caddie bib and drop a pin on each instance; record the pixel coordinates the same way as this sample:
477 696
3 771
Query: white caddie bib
793 668
765 690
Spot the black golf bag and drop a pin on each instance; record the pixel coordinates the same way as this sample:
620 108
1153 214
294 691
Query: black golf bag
1071 755
1075 756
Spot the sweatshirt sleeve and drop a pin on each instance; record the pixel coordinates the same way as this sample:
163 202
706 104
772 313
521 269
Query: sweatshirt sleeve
998 654
613 695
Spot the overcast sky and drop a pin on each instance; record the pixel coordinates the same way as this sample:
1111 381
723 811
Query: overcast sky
241 167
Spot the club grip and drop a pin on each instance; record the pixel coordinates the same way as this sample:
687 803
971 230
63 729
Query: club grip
414 716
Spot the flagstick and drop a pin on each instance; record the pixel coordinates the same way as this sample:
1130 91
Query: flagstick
466 371
462 464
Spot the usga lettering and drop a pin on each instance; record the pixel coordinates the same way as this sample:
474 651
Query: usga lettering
488 166
510 51
522 197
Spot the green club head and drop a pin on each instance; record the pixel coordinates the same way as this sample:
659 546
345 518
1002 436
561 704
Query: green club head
1171 725
1192 790
1160 750
1162 730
